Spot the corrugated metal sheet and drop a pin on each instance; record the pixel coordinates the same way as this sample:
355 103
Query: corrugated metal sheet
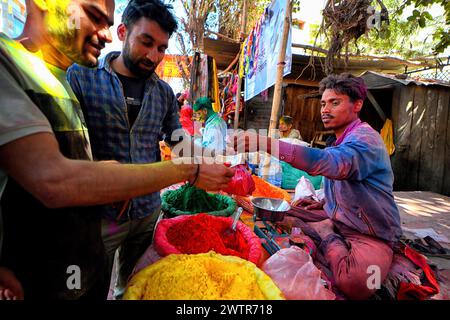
375 80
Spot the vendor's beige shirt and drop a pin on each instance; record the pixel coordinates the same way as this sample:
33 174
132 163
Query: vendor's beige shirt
294 134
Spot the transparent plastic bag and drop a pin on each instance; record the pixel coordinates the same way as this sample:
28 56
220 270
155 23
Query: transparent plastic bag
305 189
294 272
270 169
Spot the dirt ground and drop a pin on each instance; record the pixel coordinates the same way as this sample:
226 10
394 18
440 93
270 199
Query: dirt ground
423 210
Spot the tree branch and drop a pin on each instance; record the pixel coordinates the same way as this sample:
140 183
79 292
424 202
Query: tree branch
221 36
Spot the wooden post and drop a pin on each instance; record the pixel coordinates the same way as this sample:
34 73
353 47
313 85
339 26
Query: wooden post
276 102
239 81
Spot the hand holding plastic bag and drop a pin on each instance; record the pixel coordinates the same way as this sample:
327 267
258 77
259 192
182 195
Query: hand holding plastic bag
305 190
295 274
242 183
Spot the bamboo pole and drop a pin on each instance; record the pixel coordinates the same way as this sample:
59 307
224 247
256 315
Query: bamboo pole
239 81
276 102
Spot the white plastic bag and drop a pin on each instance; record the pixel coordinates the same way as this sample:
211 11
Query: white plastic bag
320 194
305 189
295 274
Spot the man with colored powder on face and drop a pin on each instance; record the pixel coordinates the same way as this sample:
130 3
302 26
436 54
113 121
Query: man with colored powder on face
51 229
360 223
126 107
215 131
286 128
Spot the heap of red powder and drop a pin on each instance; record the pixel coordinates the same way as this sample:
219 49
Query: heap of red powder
202 233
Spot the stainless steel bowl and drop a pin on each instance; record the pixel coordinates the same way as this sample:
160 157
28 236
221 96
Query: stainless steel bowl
270 209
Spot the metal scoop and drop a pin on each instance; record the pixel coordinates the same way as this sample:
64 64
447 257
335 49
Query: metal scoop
235 221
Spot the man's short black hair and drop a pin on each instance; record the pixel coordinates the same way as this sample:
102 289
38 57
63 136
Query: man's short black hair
345 83
154 10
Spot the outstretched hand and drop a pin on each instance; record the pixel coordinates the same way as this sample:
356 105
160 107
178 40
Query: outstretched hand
249 141
10 287
214 177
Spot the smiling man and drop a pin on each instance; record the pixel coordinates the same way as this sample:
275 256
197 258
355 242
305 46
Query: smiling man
127 109
360 223
51 237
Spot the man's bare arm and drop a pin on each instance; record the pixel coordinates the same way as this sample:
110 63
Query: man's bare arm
36 163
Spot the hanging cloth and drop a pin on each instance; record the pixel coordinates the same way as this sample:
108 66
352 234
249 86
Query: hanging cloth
215 91
387 134
242 60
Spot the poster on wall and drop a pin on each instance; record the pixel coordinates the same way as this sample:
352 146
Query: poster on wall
261 50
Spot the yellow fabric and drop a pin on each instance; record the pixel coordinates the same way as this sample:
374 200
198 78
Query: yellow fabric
205 276
387 134
216 93
241 61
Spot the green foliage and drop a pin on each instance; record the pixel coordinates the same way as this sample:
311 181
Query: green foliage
404 35
401 36
441 35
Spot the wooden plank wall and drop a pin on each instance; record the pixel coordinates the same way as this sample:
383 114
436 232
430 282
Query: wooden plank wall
401 121
416 136
427 178
257 112
421 119
444 134
305 111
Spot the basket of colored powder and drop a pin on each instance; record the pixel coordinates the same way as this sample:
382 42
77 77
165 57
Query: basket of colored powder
205 276
189 200
202 233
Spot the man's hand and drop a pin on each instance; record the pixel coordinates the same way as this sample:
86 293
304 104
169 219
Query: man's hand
323 228
214 177
10 287
249 141
309 204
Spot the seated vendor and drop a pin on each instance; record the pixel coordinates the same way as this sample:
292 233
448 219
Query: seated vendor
360 221
286 129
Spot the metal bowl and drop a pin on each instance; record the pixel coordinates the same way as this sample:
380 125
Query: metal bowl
270 209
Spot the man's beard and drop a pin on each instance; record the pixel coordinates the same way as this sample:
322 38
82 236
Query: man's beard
64 37
133 65
72 52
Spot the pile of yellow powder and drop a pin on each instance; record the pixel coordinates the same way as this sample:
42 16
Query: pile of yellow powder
205 276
